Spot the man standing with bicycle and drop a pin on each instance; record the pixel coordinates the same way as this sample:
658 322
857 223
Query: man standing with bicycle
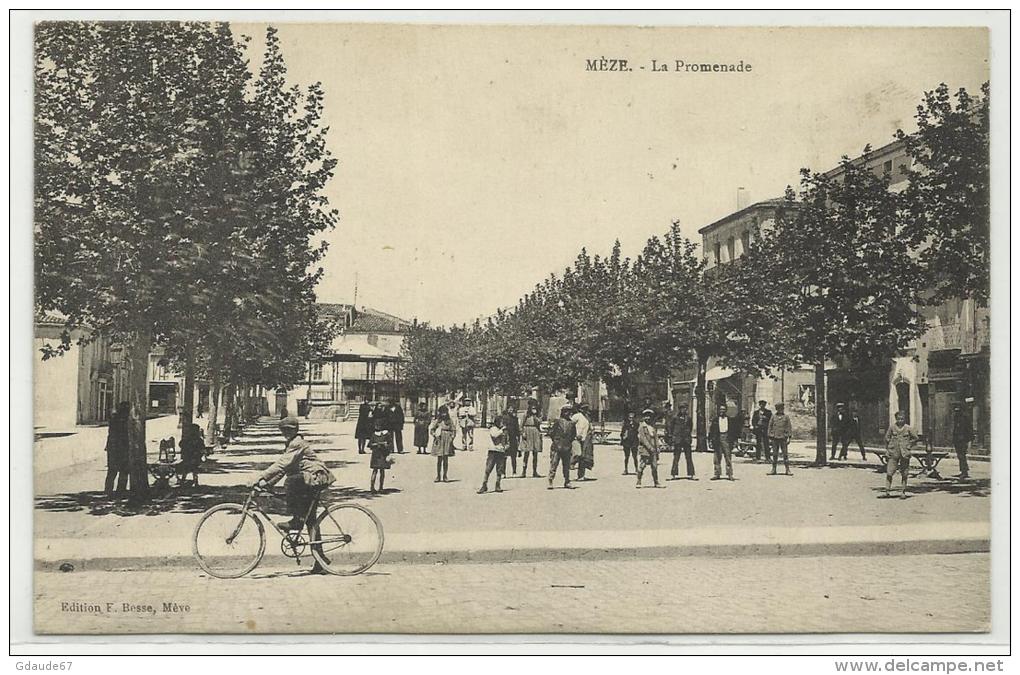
306 476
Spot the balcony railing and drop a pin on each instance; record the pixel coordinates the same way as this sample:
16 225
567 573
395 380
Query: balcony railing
943 336
956 336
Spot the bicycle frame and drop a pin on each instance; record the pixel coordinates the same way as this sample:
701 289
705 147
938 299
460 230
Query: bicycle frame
252 507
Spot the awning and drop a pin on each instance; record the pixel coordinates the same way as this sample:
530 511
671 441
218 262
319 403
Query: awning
712 374
717 373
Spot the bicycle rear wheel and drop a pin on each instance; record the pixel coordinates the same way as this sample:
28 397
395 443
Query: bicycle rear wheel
228 543
349 539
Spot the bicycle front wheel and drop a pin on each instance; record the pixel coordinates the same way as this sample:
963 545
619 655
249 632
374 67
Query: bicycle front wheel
349 539
228 543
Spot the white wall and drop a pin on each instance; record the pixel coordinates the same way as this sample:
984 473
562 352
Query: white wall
56 387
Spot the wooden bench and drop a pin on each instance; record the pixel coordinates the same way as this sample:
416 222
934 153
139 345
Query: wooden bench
928 461
165 467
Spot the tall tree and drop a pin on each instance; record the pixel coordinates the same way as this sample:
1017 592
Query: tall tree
115 136
175 206
846 283
683 315
948 192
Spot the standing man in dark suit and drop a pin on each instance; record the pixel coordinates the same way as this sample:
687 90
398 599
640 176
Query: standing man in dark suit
841 424
724 432
680 434
117 464
760 426
963 433
855 433
396 425
562 434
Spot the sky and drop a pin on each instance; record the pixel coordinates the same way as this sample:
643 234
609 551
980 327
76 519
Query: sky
476 160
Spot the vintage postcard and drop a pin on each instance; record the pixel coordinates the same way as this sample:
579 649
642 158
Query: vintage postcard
475 329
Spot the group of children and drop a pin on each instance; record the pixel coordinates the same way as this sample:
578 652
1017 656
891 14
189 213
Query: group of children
640 440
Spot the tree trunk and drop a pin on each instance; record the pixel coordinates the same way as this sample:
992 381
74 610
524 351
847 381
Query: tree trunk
701 427
188 407
214 408
230 411
244 408
625 386
136 360
820 436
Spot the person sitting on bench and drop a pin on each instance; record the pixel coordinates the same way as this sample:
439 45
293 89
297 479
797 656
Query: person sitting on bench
192 448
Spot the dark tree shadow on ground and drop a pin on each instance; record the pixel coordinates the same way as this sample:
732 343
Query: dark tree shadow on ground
183 499
961 488
277 439
233 466
842 464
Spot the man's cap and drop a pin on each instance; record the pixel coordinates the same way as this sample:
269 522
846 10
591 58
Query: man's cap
289 422
841 405
780 405
647 411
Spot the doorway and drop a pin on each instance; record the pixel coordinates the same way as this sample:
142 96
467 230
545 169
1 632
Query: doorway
903 398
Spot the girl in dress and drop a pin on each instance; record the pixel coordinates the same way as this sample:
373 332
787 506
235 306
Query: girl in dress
531 440
381 445
443 430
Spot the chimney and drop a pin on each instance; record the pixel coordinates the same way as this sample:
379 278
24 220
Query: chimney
742 198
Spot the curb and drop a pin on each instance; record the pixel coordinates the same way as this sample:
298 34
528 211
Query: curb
517 555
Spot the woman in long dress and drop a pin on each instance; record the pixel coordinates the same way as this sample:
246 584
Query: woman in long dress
422 420
443 431
365 427
531 440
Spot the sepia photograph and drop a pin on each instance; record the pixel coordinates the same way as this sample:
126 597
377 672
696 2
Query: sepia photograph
379 327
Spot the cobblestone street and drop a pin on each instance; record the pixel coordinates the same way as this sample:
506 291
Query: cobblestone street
811 594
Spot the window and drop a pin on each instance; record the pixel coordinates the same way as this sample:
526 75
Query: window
887 166
718 253
745 240
315 372
730 248
373 340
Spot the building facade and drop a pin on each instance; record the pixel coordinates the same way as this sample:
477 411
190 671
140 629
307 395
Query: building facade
722 242
364 364
84 385
948 364
79 387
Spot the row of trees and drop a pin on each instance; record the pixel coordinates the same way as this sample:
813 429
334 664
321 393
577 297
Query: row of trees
842 273
179 202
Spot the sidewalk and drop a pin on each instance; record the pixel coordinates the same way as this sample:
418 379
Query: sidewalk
833 510
85 444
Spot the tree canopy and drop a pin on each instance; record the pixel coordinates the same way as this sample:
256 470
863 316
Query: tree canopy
179 200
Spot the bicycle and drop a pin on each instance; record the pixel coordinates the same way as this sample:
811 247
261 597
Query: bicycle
230 540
